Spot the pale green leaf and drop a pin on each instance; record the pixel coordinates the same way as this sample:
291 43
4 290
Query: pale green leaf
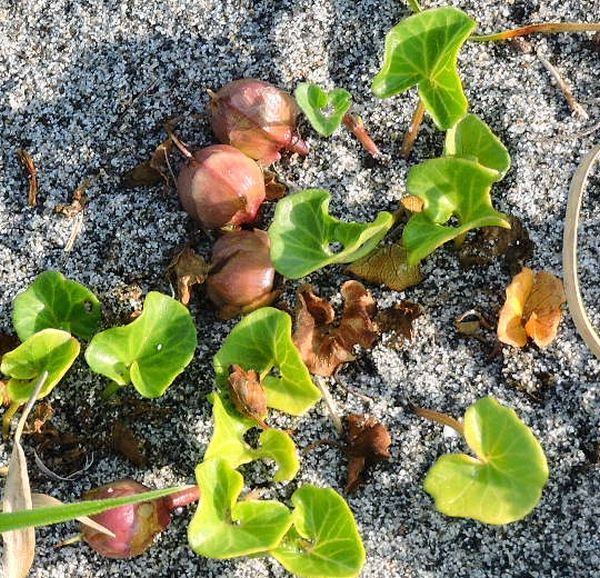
324 110
504 482
448 187
228 442
262 341
224 528
324 540
50 350
472 139
52 301
303 231
423 50
151 351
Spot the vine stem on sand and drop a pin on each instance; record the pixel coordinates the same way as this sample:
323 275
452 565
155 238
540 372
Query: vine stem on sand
439 417
571 278
546 28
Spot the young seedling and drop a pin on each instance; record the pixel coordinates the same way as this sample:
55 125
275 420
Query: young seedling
50 351
262 342
324 538
457 184
150 352
304 235
52 301
504 482
224 527
228 441
324 110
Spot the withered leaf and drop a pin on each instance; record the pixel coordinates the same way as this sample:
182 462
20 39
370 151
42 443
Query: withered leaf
388 265
399 318
532 309
40 416
152 171
412 203
325 346
368 442
247 394
489 243
125 442
274 189
189 269
78 202
32 175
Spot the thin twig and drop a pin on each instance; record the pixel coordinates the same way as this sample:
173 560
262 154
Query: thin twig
356 125
32 175
329 403
411 135
439 417
75 230
352 391
546 28
571 278
319 443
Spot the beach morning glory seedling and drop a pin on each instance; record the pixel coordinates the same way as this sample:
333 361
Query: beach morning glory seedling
52 301
303 234
504 482
324 110
151 351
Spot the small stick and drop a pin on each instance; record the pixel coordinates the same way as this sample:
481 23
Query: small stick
32 174
330 403
439 417
356 125
75 230
182 148
564 87
352 391
415 125
320 443
547 28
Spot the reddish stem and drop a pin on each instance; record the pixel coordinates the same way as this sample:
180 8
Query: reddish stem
182 148
411 136
439 417
356 125
539 28
183 498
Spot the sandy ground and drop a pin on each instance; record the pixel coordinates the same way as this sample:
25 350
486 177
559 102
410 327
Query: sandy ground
85 87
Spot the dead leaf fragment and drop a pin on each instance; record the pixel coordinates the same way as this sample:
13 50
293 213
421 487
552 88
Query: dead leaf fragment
399 318
79 200
388 265
368 442
274 189
152 171
325 346
247 394
125 443
412 203
32 175
189 269
532 309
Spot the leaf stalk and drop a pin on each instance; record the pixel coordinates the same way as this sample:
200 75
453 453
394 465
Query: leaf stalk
546 28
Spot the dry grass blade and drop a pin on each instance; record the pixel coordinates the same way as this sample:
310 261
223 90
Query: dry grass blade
571 278
27 161
19 545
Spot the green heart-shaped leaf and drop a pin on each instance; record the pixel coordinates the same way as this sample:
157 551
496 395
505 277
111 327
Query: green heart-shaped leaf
423 50
303 232
324 110
228 442
448 186
472 139
324 540
50 350
262 341
52 301
224 528
504 483
151 351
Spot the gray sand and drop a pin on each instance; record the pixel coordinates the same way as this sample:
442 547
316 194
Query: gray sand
87 84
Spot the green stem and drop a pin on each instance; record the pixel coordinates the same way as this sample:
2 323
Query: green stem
110 390
547 28
414 6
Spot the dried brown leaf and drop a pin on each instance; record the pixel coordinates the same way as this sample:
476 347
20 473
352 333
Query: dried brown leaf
325 346
274 188
368 442
32 175
532 309
189 269
412 203
388 265
399 318
79 200
125 442
247 394
153 171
